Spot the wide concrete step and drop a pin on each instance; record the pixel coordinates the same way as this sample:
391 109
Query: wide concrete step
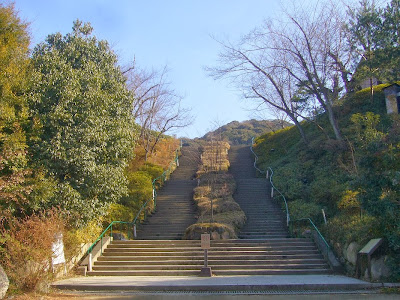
122 248
194 254
120 261
216 272
234 257
272 272
216 243
214 267
145 273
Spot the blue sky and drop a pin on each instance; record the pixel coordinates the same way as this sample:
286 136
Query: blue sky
158 33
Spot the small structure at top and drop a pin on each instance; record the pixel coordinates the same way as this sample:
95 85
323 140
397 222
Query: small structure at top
392 98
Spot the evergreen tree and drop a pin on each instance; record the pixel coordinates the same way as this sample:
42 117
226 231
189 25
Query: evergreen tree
87 135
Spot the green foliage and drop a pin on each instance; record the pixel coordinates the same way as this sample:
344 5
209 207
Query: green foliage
300 209
356 182
86 132
140 189
154 171
118 212
346 229
242 132
374 34
14 169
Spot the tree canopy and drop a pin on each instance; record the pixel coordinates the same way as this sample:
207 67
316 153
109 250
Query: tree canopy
14 59
86 129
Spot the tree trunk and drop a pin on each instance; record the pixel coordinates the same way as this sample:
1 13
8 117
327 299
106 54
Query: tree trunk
301 130
333 122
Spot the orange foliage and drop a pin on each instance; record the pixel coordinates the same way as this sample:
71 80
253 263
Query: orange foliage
162 156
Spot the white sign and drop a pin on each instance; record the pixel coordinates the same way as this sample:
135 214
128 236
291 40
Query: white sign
58 250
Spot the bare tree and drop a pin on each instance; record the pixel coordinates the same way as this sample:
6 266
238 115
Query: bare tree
255 71
303 51
157 108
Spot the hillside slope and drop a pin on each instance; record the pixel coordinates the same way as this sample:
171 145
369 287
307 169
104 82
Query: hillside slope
355 181
237 133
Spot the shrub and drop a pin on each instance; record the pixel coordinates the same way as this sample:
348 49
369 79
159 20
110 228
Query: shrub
300 209
140 189
118 212
153 170
345 229
26 249
74 238
217 231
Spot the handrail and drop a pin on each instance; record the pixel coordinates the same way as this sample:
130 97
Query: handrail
270 180
164 174
104 232
327 247
316 229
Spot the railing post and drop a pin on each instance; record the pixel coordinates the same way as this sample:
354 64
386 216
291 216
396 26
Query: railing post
134 231
272 192
90 262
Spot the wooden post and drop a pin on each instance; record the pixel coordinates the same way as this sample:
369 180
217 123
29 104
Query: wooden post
205 244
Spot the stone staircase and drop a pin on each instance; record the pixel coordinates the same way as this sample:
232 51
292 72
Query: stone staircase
226 257
263 248
175 210
264 217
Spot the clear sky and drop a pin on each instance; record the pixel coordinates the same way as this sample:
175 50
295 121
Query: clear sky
164 32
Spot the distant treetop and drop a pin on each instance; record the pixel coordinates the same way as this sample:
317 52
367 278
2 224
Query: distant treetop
237 133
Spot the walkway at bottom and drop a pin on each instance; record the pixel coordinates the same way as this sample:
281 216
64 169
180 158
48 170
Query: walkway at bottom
218 283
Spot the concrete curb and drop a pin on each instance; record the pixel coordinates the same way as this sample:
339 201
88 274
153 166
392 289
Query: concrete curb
220 284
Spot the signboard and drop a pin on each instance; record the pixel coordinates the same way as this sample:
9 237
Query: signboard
205 241
58 250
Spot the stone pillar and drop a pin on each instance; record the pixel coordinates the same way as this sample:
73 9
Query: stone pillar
3 283
392 98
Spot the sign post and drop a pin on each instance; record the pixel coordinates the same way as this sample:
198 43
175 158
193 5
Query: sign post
205 244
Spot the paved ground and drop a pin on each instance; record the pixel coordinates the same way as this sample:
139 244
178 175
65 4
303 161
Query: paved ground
217 284
125 296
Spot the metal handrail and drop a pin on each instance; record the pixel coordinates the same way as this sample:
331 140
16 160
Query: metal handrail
270 180
100 238
164 174
328 248
284 198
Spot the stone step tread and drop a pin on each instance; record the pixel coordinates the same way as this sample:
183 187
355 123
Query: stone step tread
217 272
197 245
121 261
215 267
201 253
236 257
230 241
215 249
